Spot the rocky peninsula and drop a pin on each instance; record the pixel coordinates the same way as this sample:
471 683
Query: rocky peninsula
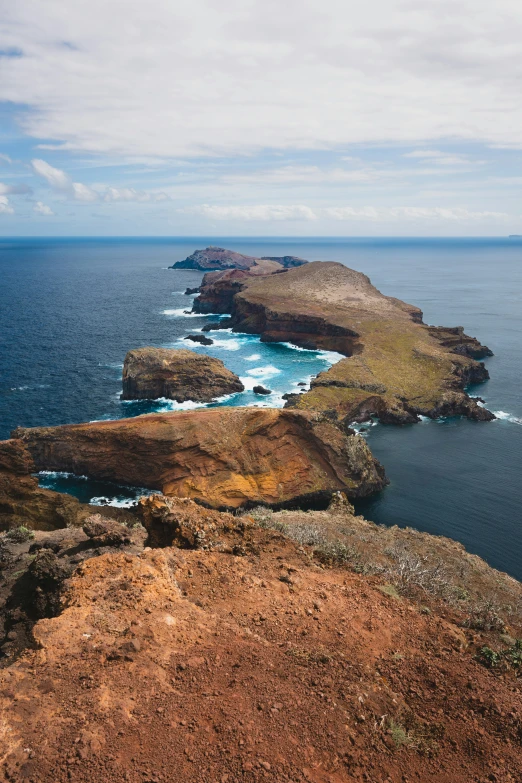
181 375
177 641
218 258
222 457
396 367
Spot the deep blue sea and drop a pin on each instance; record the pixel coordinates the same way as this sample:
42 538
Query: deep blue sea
71 308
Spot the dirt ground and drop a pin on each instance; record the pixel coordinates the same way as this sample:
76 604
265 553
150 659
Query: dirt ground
252 662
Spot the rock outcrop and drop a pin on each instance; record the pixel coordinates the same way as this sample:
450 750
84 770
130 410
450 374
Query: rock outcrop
218 258
215 258
288 262
199 338
222 457
218 289
23 502
396 367
151 373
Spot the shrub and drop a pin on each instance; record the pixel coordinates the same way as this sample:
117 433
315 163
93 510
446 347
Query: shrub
399 734
488 657
19 535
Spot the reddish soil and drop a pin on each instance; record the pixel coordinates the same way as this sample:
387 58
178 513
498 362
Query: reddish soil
252 663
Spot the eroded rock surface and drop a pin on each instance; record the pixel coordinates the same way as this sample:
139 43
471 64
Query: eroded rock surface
35 565
23 502
397 368
223 457
181 375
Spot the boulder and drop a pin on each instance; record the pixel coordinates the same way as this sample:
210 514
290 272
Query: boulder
181 522
222 457
261 390
106 532
151 373
199 338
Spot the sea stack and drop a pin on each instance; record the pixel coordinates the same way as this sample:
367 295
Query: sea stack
181 375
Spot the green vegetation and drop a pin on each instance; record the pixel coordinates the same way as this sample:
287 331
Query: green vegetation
19 535
511 657
399 735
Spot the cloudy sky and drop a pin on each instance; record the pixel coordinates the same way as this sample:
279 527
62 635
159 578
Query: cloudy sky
257 117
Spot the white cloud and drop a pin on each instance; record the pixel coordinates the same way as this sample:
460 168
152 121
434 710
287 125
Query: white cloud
5 208
385 214
263 212
130 194
443 158
62 183
42 209
203 78
83 192
360 175
14 190
271 212
6 158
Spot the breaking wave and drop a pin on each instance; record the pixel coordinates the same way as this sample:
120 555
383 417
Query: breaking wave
180 312
503 416
59 474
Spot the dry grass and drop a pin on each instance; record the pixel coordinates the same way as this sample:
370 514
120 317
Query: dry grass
413 564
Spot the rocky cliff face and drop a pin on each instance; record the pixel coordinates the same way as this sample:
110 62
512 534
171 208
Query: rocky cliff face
218 258
150 373
218 289
23 502
215 258
397 368
223 457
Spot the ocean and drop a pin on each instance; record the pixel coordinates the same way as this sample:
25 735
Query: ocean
71 308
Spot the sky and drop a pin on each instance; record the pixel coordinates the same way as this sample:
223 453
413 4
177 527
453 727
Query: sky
257 117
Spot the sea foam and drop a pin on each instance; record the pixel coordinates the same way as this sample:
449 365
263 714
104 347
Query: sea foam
180 312
503 416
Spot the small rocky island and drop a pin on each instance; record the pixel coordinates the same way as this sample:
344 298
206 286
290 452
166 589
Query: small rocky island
181 375
220 259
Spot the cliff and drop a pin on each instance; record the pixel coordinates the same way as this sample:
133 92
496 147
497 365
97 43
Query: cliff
218 258
223 457
150 373
23 502
397 368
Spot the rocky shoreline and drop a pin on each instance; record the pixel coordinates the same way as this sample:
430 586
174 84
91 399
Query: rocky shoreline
244 624
181 375
396 369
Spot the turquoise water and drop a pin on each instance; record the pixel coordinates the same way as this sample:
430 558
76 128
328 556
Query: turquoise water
70 310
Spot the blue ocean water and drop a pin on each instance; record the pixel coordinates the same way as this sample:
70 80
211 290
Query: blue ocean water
71 308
